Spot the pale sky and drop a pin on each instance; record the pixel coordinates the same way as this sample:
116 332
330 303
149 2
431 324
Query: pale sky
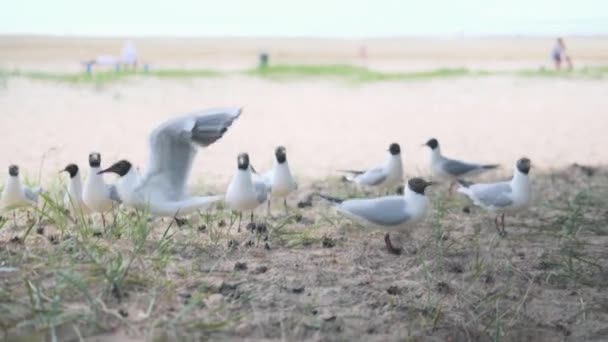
313 18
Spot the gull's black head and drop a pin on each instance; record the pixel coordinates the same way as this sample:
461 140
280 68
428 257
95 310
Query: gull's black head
394 149
13 170
94 159
243 161
120 168
418 185
72 169
281 154
432 143
523 165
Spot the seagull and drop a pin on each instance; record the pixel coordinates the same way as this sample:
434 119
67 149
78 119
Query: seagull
389 213
15 195
387 176
279 181
98 196
161 188
452 169
502 197
73 197
245 194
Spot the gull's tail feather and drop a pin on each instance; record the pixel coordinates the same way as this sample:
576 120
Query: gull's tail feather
184 207
464 183
331 198
354 172
490 166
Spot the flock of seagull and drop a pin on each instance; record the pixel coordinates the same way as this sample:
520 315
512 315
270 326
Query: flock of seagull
161 187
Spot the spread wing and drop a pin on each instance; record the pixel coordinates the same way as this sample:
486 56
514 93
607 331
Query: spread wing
172 148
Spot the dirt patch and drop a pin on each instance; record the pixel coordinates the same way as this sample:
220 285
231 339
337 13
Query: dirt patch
314 275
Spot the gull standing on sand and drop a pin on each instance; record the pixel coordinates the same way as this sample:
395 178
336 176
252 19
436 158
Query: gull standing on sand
388 176
390 213
172 148
452 169
245 194
15 195
98 196
279 181
502 197
73 197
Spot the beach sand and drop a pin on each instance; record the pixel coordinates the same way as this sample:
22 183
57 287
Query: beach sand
325 124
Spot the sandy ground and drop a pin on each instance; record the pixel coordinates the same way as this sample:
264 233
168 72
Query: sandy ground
325 125
315 276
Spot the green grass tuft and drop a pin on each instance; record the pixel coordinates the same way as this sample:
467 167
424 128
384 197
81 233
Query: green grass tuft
352 73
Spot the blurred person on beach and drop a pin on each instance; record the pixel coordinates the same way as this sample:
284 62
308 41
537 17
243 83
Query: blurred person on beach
559 55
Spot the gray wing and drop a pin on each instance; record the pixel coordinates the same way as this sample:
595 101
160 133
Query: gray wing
493 195
261 191
172 147
372 177
385 211
31 194
113 193
458 168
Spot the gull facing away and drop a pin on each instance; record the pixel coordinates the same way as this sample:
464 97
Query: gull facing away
15 195
389 213
452 169
502 197
98 196
172 148
73 196
245 194
279 181
388 176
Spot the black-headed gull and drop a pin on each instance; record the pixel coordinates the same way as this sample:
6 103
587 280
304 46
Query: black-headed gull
72 199
387 176
389 213
162 187
502 197
243 193
15 195
98 196
452 169
279 180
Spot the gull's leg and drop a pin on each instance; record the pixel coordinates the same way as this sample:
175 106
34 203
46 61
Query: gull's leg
251 217
103 221
14 219
240 218
268 208
451 188
389 245
285 205
497 225
502 219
